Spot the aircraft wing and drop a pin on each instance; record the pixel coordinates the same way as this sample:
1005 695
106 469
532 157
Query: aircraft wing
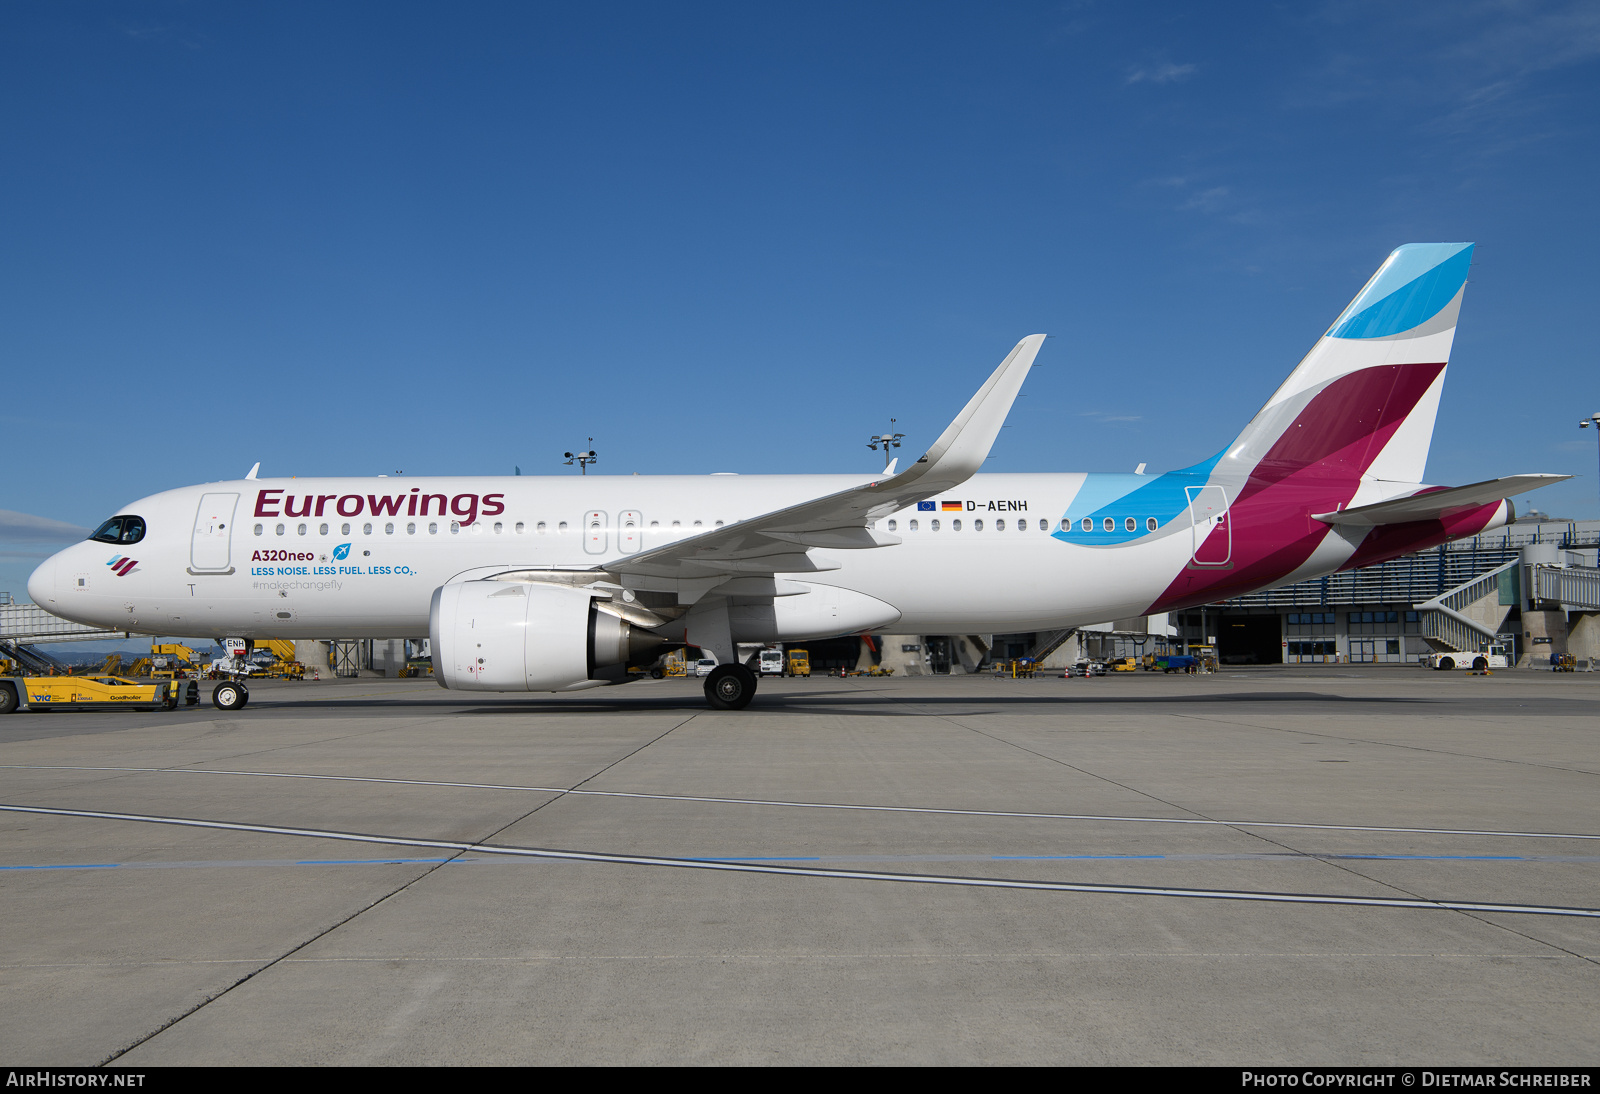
1434 504
778 542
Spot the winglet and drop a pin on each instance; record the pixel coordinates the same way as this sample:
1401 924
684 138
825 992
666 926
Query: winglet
961 449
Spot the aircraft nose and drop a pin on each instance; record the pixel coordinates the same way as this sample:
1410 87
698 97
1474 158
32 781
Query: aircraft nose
42 585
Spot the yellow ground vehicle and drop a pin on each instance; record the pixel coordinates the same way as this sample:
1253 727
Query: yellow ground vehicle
171 660
799 663
675 664
1123 664
75 692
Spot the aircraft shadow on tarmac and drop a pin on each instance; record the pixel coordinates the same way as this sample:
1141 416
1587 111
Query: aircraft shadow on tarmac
881 703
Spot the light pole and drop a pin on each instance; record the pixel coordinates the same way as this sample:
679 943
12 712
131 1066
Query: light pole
889 440
582 459
1594 418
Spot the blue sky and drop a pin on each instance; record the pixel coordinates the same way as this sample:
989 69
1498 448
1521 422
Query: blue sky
354 238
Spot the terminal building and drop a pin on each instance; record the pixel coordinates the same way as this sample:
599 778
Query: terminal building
1534 586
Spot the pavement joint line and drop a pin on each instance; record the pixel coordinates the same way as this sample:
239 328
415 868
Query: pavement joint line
1388 744
392 959
826 805
1277 857
1341 866
717 865
432 866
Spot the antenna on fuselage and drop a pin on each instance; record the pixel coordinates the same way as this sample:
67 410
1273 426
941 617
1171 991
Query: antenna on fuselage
253 470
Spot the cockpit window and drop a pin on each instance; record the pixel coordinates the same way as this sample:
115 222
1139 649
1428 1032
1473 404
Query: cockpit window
120 530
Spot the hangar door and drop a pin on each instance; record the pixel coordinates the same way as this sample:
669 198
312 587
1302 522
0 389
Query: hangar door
1250 639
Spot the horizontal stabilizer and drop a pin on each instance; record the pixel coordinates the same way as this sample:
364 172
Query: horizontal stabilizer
1435 504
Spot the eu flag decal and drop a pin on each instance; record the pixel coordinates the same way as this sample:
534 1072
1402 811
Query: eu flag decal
926 507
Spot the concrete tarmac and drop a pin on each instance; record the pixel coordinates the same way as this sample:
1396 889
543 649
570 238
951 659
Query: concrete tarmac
1323 865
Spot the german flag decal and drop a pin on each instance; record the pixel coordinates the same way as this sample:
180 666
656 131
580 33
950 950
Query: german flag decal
950 506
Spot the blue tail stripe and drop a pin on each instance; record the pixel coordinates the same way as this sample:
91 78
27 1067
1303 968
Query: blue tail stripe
1123 496
1390 305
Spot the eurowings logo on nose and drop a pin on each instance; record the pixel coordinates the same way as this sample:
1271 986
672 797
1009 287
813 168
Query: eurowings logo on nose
342 551
122 566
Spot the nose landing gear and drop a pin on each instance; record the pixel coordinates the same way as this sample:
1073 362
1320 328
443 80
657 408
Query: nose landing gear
229 695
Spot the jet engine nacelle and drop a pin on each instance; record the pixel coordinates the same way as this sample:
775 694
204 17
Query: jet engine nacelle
522 636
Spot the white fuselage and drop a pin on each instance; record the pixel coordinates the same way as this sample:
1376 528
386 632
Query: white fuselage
269 574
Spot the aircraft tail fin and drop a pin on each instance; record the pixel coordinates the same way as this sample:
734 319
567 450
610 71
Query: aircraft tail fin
1361 404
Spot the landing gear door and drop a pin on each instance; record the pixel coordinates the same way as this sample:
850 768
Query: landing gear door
211 548
1212 544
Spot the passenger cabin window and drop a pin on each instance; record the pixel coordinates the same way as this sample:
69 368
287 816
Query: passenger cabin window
1044 525
1150 524
279 529
120 530
999 524
259 529
366 529
977 525
892 526
344 529
1109 524
912 525
1088 524
1130 525
955 526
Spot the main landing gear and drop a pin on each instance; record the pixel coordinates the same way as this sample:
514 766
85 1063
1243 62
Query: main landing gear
730 686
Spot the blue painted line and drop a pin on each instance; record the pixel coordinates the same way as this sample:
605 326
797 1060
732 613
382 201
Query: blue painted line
70 866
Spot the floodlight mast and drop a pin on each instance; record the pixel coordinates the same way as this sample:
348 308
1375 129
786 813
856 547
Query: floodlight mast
582 459
1593 418
889 441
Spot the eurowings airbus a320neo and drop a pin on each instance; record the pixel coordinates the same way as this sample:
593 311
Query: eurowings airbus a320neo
558 584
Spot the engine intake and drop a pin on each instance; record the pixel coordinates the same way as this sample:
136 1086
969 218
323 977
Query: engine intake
528 636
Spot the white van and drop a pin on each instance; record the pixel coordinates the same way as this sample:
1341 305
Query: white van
704 666
771 663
